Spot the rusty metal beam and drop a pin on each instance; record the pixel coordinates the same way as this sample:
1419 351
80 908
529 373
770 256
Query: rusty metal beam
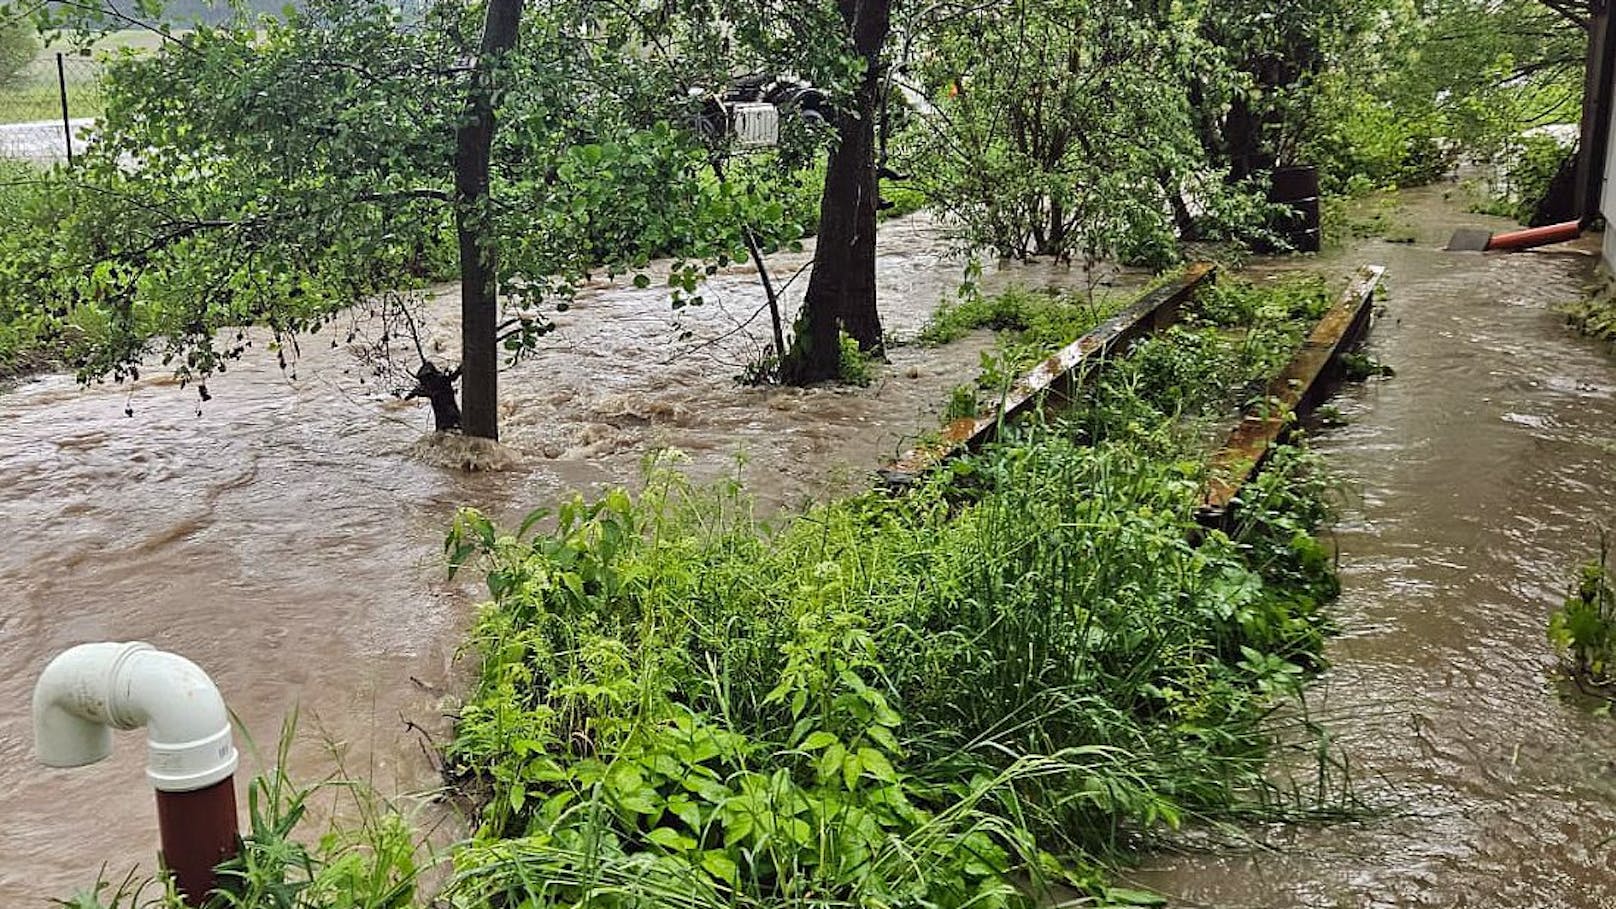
1303 385
1058 375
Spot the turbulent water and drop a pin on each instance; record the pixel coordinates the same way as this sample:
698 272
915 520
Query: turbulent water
286 534
1477 480
287 539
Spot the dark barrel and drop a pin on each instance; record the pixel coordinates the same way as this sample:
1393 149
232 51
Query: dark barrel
1298 189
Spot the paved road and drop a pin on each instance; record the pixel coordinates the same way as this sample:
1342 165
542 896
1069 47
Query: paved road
43 141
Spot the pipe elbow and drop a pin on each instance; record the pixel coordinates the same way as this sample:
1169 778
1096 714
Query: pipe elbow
91 689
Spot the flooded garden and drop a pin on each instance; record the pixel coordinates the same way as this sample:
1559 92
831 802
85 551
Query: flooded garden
817 455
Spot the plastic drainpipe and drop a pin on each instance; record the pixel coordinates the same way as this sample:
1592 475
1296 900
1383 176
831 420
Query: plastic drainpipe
89 690
1536 236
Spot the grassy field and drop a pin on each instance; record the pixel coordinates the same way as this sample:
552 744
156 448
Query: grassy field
37 95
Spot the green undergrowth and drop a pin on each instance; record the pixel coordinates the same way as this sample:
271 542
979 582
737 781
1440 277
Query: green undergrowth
1236 336
1583 629
375 857
1042 318
984 692
1594 315
1030 324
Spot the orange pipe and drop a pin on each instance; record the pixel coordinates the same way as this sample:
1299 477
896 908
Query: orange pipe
1536 236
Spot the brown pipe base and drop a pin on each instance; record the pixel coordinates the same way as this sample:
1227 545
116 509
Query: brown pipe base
198 831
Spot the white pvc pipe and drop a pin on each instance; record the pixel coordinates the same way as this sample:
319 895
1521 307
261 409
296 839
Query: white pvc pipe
91 689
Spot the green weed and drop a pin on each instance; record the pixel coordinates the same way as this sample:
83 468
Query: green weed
1584 628
373 859
853 364
962 695
962 404
1594 315
1043 320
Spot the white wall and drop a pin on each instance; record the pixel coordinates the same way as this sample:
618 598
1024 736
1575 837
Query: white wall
1608 206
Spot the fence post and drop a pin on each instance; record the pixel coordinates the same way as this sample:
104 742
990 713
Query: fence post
61 84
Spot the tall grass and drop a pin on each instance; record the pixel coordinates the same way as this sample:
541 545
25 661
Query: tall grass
965 695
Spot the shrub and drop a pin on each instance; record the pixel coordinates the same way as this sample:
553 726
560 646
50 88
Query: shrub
957 696
853 364
1583 629
1526 168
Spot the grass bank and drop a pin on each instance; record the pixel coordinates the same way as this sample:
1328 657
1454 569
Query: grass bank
988 691
1595 314
984 692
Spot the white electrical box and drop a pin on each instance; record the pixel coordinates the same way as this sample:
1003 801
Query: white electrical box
755 123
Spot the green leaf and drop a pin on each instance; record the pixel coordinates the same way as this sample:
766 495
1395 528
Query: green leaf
671 839
818 740
883 736
830 763
876 765
852 766
718 864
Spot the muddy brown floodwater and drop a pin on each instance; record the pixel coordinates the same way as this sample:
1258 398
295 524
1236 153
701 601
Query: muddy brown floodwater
1478 477
287 537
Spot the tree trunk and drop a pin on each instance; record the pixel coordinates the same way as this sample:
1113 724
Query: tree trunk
841 291
1599 87
479 261
1055 241
1241 139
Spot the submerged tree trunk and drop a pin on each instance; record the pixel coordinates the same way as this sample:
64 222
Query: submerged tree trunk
841 291
479 292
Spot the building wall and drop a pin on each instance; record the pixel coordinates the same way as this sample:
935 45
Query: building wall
1608 206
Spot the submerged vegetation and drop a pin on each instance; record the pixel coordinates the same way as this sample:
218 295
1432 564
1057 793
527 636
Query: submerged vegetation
1595 314
1583 629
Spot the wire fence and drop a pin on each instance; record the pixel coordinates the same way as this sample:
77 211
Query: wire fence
46 113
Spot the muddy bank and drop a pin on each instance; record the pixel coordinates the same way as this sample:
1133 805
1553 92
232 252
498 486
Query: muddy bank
1476 479
285 536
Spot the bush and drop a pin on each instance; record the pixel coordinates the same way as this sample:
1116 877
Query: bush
853 364
1526 169
1363 142
958 696
1594 315
1583 629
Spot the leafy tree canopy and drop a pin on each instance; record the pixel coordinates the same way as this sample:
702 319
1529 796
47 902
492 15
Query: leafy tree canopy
267 170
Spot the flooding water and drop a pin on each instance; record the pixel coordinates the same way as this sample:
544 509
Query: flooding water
287 537
1479 476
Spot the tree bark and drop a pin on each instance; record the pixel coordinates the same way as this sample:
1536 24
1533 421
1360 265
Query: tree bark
1599 86
841 291
479 261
